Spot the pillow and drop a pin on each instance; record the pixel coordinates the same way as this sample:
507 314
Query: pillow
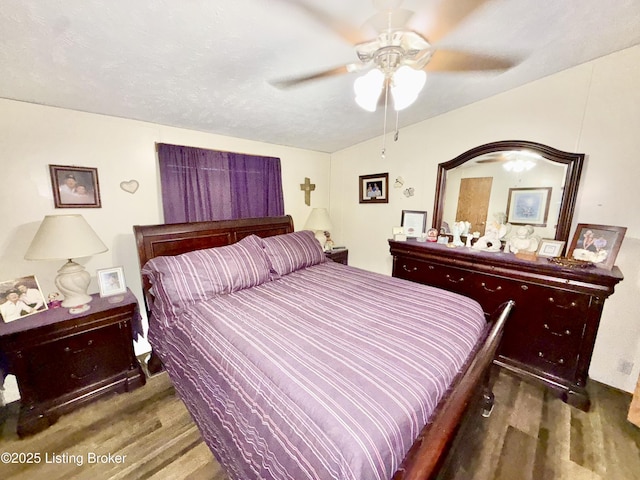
182 280
293 251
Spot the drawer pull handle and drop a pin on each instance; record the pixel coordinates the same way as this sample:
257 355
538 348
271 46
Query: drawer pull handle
560 361
559 334
524 287
497 289
69 350
82 377
407 269
453 280
566 307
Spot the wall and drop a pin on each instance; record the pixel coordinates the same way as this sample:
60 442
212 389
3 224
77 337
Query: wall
33 136
592 108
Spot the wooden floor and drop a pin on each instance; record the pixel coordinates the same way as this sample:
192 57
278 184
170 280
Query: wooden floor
530 436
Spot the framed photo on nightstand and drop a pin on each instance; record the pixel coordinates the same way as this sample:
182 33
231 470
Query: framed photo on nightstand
20 297
111 281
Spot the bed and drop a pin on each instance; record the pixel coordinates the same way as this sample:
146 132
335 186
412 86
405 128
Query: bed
295 367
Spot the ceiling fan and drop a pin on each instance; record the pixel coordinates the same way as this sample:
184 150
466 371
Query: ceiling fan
397 58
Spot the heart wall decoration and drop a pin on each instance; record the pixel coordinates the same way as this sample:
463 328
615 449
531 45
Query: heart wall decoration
130 186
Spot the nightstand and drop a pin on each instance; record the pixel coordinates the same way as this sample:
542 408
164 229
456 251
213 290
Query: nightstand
63 361
340 256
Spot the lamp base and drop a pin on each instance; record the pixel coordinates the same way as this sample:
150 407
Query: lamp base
73 281
320 236
79 309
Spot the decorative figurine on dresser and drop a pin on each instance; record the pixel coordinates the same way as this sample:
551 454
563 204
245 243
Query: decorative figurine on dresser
63 360
551 332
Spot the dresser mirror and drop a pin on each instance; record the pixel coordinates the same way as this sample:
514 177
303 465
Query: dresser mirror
524 182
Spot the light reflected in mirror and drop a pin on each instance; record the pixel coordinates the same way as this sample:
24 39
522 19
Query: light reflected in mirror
526 182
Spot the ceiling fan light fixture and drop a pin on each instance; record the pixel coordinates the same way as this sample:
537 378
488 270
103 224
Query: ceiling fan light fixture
368 89
521 161
519 165
406 85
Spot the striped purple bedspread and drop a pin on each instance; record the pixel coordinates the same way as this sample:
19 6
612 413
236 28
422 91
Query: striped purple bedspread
329 372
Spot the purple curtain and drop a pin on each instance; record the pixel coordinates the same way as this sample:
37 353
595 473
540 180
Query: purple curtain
199 184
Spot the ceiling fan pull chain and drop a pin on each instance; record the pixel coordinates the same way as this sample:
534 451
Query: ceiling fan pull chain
384 129
395 136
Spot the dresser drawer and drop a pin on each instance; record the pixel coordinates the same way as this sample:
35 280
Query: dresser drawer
561 302
445 277
492 291
76 361
556 356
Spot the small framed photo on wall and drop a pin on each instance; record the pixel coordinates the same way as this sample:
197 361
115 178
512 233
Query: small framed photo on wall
374 188
75 187
111 281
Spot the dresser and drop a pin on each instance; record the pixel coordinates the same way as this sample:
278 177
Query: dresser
550 334
62 361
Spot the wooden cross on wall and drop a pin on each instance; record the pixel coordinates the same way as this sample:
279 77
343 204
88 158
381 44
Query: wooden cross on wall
307 187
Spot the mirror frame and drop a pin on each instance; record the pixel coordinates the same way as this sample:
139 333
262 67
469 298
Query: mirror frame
573 162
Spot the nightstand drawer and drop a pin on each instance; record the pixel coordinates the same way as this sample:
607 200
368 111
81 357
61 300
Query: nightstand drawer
76 361
338 256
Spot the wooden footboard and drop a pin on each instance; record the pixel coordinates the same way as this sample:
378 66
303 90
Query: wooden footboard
430 449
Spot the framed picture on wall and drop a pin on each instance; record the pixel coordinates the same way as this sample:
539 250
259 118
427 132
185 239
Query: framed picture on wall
597 244
75 187
374 188
528 206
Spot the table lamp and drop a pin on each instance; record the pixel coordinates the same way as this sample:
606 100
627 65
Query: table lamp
319 222
67 236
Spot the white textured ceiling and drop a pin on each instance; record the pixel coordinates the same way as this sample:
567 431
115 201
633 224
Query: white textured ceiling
207 65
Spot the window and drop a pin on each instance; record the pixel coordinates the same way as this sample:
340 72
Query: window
200 184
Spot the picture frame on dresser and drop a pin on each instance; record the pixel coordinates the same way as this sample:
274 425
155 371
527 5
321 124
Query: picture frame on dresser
20 297
529 206
374 188
111 281
550 248
598 244
414 223
75 187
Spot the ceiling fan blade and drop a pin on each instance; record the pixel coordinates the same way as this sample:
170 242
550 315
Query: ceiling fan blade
446 17
454 61
347 31
295 81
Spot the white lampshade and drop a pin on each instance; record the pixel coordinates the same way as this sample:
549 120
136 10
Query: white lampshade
67 236
319 222
368 89
406 86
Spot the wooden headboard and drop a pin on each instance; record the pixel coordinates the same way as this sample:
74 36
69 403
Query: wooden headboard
176 238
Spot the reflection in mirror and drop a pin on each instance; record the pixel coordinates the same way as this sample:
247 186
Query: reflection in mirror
529 183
